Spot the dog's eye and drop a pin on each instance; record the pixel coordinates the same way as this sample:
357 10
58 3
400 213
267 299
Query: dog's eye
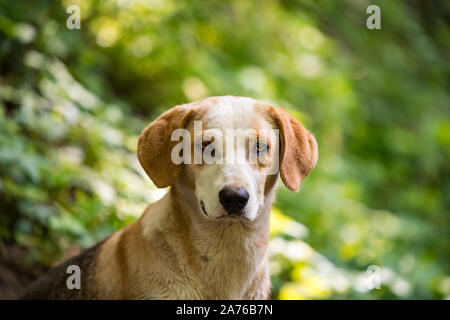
261 148
205 144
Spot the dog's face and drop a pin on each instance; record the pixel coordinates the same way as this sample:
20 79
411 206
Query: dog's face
228 154
245 149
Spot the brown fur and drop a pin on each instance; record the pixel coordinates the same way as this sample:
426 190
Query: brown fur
298 148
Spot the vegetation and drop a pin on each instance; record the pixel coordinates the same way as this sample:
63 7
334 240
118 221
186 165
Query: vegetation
72 103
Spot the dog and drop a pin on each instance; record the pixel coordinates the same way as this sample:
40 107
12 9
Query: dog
207 238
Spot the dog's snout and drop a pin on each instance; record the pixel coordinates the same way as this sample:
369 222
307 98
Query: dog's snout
233 199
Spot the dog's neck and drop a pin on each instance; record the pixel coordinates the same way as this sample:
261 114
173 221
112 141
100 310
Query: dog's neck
235 250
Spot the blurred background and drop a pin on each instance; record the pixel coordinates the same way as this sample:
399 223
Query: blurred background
73 102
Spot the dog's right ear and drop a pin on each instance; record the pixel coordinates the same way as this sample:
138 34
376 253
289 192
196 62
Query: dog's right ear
155 145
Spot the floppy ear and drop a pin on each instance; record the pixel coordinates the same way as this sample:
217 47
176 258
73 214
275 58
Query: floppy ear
298 149
155 145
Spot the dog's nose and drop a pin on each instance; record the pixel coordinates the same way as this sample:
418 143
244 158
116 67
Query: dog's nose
233 199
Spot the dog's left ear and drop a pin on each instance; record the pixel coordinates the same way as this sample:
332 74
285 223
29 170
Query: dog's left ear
299 153
155 145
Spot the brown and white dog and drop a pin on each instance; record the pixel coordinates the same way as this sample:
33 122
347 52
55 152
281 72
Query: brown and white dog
207 238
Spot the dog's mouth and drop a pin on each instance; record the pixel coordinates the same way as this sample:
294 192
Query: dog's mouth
233 217
227 217
202 205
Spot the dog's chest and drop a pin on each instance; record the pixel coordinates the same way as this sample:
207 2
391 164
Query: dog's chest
227 272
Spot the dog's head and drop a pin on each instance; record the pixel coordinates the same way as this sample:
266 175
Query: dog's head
225 154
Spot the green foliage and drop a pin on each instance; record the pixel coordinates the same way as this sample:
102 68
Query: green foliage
72 103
